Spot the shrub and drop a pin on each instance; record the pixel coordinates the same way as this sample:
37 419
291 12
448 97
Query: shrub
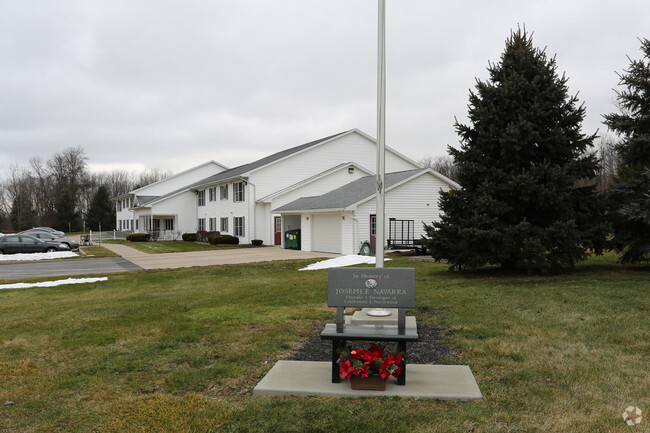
223 239
138 237
203 236
189 237
257 242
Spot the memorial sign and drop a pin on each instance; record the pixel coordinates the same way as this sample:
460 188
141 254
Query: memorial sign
371 287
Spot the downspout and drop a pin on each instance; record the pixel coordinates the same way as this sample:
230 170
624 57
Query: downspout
355 231
196 209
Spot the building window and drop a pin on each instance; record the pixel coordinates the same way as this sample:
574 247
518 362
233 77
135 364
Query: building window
201 225
213 224
200 198
119 205
223 192
224 225
213 193
169 223
238 223
238 191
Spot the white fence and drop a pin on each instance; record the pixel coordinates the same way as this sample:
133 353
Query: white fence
97 236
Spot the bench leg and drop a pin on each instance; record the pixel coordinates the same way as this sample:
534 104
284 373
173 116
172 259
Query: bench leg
336 376
401 379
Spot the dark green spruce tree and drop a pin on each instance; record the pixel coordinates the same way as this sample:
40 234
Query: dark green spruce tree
66 217
101 210
522 166
629 194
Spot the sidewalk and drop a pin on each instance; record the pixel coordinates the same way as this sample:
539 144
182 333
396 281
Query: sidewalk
210 258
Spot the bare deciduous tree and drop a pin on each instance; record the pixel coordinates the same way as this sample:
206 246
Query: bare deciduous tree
150 176
609 159
442 164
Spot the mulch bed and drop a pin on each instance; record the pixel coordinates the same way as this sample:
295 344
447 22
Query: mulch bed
431 349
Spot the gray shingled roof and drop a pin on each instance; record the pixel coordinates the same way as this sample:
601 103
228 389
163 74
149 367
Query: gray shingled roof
347 195
240 170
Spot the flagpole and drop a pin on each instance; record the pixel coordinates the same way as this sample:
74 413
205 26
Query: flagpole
380 231
380 218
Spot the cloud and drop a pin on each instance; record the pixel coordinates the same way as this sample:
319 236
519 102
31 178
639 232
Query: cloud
135 82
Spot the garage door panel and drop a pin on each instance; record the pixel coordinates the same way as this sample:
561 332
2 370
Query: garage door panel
326 233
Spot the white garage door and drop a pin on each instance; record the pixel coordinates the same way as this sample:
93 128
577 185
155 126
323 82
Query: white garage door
326 233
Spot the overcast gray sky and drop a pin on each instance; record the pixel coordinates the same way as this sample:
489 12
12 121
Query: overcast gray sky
171 84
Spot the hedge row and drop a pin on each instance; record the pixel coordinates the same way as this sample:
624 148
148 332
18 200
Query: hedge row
223 239
138 237
189 237
215 238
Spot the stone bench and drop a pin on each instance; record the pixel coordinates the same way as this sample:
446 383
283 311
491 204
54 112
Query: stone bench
391 289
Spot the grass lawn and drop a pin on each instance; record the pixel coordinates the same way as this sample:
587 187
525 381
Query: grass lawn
95 251
172 246
181 350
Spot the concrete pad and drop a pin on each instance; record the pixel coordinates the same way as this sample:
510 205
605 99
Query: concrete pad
309 378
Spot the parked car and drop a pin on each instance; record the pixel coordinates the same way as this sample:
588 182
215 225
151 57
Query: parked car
44 229
46 236
15 244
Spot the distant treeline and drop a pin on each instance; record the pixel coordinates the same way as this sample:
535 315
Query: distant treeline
58 192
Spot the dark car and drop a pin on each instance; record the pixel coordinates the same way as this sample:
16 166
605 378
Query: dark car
43 229
45 236
18 244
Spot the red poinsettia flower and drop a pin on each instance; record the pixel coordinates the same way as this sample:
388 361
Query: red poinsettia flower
364 362
346 369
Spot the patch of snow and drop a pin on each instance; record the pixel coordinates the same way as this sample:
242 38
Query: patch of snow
338 262
52 283
37 256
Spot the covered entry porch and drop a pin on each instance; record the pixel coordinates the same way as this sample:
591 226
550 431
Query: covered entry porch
160 227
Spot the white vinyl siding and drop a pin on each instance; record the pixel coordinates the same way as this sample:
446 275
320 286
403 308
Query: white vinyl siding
415 200
352 147
180 180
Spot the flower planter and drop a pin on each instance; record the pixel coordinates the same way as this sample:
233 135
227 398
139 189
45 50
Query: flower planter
374 382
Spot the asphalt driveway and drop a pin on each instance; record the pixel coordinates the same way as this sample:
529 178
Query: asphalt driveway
56 268
134 260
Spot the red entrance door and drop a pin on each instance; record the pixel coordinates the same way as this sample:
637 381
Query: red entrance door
278 230
373 232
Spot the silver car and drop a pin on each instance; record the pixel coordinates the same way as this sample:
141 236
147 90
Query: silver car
71 243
